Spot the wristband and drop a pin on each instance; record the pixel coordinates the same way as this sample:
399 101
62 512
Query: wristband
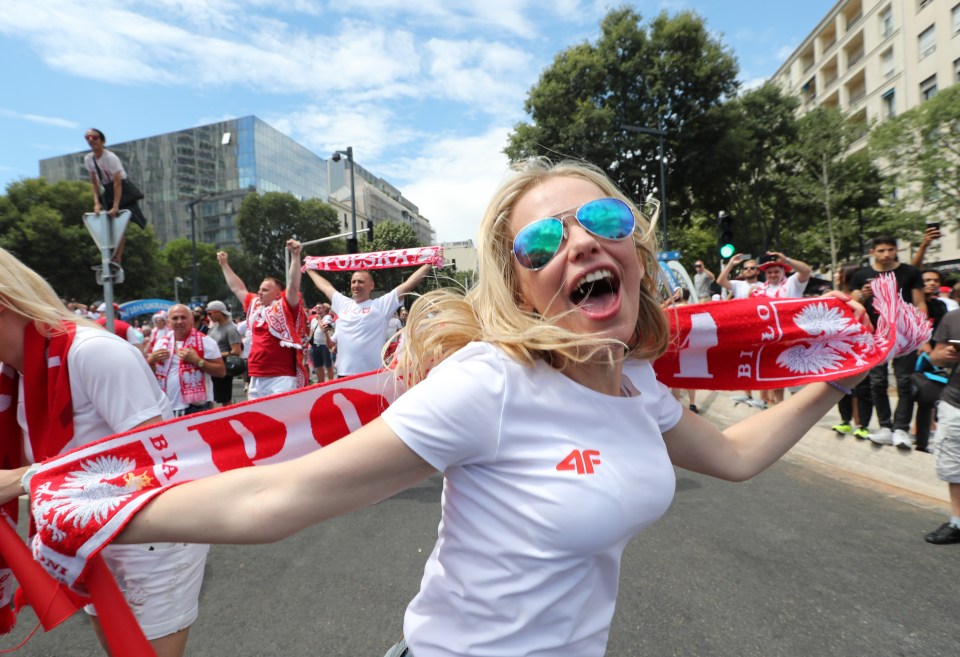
837 386
27 476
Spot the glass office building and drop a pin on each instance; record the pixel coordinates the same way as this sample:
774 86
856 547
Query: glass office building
215 166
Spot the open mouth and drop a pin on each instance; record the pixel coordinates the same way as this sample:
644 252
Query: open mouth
597 289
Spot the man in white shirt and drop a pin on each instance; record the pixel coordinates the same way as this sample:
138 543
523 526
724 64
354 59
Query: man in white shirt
362 321
183 361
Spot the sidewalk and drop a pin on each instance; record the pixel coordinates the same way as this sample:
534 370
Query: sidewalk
908 470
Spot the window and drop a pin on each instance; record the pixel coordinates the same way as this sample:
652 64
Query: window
928 88
956 19
927 42
886 22
889 102
956 70
886 63
923 3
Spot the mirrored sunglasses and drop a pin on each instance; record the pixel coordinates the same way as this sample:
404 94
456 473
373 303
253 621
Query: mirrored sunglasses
537 243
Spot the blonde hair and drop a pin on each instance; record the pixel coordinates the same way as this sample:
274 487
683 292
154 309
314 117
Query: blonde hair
443 321
24 292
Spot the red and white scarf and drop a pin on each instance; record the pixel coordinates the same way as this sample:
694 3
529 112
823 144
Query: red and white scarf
49 416
421 255
752 343
193 385
288 325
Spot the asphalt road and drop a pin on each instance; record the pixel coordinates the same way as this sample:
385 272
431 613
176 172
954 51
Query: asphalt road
797 562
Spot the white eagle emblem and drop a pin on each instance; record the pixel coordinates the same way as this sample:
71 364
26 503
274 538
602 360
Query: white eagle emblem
836 337
87 495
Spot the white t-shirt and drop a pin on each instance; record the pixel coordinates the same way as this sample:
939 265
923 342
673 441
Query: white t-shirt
211 351
109 164
741 289
790 288
111 387
361 331
545 482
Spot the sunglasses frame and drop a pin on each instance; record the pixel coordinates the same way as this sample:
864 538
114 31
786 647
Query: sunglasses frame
562 217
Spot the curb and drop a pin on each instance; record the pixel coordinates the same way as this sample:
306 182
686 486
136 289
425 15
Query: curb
910 471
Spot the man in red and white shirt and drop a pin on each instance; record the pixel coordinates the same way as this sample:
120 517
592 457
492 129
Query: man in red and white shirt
276 319
120 327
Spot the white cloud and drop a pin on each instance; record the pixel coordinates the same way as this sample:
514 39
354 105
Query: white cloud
452 180
44 120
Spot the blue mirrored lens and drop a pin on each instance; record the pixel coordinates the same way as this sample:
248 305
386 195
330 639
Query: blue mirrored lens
536 243
609 218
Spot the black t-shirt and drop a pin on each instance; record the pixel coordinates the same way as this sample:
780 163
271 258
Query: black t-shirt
908 278
949 329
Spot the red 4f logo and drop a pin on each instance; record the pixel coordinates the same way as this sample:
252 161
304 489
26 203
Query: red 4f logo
580 461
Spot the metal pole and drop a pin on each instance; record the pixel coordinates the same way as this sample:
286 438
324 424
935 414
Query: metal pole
353 195
194 283
106 256
663 191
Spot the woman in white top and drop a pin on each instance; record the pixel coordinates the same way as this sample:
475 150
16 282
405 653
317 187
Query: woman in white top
556 441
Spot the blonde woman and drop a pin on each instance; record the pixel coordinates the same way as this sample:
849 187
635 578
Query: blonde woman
555 440
72 383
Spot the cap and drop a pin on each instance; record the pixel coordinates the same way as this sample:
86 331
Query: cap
768 261
218 305
103 308
946 289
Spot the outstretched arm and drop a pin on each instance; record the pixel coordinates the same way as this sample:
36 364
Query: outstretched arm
268 503
322 284
411 283
233 281
293 274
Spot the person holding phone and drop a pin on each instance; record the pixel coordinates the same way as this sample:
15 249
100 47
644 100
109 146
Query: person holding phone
893 430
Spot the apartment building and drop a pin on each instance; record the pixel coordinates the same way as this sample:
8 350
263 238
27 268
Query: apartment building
875 59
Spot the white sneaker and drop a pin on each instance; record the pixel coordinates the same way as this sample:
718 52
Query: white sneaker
902 439
740 399
882 436
757 403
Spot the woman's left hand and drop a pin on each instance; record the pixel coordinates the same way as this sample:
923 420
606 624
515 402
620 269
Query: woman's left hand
859 312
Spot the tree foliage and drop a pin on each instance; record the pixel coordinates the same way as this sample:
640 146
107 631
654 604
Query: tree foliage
666 75
266 222
42 224
921 152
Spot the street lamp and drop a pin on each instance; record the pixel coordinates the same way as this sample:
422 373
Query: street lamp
176 288
194 283
352 245
660 134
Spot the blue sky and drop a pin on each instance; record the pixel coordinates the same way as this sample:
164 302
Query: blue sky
426 91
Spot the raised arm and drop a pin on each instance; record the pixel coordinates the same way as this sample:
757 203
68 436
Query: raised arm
293 275
802 269
411 283
322 284
233 281
930 234
268 503
723 280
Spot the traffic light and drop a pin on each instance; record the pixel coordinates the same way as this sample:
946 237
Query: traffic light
352 246
370 231
725 235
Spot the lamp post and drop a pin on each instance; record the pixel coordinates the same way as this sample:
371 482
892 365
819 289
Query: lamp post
352 245
194 283
660 134
176 288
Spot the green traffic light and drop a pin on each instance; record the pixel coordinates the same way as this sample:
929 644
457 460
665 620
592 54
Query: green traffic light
727 250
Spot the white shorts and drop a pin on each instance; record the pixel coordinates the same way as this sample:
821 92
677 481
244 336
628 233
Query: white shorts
946 443
161 582
264 386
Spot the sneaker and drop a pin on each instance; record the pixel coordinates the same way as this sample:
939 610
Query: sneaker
693 407
741 399
757 403
944 535
902 439
861 433
843 428
882 436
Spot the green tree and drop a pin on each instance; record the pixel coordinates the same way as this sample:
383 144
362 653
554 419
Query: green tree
265 223
177 260
389 236
920 150
666 75
42 224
